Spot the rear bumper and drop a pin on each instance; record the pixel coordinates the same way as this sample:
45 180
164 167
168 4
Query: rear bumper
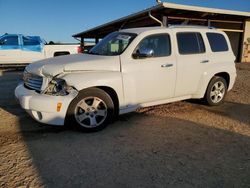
43 108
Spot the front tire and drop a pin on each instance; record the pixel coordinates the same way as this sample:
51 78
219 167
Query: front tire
216 91
92 110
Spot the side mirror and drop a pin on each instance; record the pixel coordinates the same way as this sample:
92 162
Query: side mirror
144 53
1 43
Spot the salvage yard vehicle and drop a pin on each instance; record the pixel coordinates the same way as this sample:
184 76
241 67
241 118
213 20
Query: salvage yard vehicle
17 49
127 70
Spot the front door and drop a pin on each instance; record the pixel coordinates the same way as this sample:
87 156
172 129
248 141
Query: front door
152 77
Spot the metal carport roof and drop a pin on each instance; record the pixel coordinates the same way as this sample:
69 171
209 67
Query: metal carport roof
172 12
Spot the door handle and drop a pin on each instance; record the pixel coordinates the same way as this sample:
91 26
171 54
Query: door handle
167 65
205 61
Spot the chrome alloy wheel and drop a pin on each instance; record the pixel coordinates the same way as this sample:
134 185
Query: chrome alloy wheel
217 92
90 112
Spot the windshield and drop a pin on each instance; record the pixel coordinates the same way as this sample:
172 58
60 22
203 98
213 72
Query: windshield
113 44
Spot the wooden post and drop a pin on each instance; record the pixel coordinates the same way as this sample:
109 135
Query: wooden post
96 40
165 21
208 23
82 42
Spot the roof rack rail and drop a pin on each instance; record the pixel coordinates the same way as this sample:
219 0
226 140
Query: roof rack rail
190 26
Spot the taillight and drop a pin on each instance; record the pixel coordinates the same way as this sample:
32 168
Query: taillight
79 49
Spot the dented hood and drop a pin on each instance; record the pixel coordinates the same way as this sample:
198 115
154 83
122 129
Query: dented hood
76 62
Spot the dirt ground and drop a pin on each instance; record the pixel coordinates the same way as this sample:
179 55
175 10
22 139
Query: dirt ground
183 144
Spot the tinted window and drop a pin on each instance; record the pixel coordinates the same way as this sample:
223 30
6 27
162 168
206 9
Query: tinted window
190 43
217 42
9 40
160 44
30 41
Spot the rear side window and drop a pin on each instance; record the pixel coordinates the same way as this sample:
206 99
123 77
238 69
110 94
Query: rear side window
27 41
190 43
217 42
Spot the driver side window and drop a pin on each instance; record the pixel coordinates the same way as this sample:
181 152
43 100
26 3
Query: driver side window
158 44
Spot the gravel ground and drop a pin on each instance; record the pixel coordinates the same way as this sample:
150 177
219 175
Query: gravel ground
183 144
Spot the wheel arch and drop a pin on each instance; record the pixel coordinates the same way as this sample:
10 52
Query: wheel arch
59 53
207 79
111 92
224 75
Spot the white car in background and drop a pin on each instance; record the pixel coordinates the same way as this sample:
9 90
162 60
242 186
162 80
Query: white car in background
127 70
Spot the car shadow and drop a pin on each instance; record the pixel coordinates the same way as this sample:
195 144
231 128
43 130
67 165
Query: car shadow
236 111
139 151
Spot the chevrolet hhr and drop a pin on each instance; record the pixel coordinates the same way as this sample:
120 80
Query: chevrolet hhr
127 70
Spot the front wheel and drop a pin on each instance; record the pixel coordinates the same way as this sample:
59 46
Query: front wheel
216 91
91 110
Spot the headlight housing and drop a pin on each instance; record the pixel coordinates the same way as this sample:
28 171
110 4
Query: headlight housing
58 87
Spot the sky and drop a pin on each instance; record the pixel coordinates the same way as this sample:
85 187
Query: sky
58 20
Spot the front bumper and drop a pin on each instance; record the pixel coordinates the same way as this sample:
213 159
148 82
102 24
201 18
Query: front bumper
43 108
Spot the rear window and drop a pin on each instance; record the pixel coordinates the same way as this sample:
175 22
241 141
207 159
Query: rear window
217 42
190 43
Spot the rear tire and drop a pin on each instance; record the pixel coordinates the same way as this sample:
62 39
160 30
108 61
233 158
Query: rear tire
92 110
216 91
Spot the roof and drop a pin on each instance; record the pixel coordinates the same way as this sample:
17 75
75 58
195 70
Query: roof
139 30
205 9
142 19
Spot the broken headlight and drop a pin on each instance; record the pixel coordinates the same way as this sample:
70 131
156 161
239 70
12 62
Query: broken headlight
57 87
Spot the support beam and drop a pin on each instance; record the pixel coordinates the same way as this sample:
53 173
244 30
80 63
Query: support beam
201 19
208 23
165 21
82 42
96 40
186 18
231 30
227 21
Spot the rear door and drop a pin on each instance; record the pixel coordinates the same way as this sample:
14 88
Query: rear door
192 61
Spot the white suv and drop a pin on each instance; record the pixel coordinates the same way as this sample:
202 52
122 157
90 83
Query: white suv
129 69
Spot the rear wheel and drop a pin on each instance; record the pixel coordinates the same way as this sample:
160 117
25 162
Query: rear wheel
91 110
216 91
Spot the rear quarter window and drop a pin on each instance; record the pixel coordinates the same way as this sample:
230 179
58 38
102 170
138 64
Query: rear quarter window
217 42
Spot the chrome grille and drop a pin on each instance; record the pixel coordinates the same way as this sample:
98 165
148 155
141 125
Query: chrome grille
32 81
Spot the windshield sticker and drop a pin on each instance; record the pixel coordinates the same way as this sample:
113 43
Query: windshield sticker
123 37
